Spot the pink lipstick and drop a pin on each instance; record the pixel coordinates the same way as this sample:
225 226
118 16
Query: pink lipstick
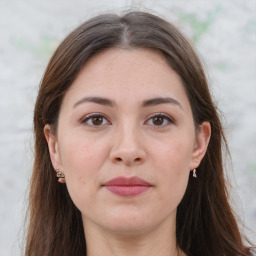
127 187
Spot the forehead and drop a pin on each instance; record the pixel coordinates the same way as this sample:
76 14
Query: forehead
127 74
126 65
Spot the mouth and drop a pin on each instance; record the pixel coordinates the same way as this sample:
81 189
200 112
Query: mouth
127 187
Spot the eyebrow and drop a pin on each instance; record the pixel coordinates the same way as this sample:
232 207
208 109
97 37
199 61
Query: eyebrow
98 100
145 103
160 100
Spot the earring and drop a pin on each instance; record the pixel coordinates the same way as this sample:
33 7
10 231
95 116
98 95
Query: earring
60 176
194 173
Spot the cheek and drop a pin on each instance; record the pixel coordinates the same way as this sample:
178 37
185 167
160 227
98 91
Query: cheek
175 153
82 162
82 159
173 160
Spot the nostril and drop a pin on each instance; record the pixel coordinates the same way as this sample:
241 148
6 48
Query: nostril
119 159
136 160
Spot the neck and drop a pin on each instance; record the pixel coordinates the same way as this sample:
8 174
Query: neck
159 242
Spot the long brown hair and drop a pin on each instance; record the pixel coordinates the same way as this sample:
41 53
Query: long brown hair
205 224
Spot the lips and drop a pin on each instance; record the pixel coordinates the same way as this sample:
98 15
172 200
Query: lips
127 187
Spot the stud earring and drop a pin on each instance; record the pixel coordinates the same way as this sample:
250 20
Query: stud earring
194 173
60 176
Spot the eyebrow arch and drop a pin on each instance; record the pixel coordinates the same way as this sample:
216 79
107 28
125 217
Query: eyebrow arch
145 103
98 100
160 100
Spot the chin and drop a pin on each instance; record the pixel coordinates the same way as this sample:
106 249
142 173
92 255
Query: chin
130 224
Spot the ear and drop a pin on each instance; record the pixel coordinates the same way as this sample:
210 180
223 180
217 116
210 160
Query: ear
201 144
53 147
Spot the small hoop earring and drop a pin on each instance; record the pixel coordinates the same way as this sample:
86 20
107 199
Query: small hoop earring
194 173
60 176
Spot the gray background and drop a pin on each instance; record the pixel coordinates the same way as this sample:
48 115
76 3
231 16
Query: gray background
224 33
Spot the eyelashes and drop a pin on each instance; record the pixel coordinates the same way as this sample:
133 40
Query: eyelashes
97 120
159 120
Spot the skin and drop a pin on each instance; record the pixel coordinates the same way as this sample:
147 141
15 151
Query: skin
127 140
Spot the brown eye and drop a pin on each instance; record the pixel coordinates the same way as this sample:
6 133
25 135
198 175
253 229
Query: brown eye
95 120
158 120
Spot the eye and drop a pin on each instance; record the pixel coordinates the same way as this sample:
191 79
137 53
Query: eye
95 120
160 120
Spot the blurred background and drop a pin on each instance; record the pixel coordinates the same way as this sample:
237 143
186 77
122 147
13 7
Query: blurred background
224 33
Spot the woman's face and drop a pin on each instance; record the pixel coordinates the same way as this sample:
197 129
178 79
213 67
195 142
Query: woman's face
126 141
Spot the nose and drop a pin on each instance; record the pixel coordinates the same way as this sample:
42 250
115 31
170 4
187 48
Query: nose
128 149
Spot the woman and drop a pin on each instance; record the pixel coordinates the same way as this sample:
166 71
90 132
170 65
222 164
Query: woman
125 119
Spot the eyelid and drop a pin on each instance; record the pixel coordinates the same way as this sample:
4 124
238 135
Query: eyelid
163 115
89 116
